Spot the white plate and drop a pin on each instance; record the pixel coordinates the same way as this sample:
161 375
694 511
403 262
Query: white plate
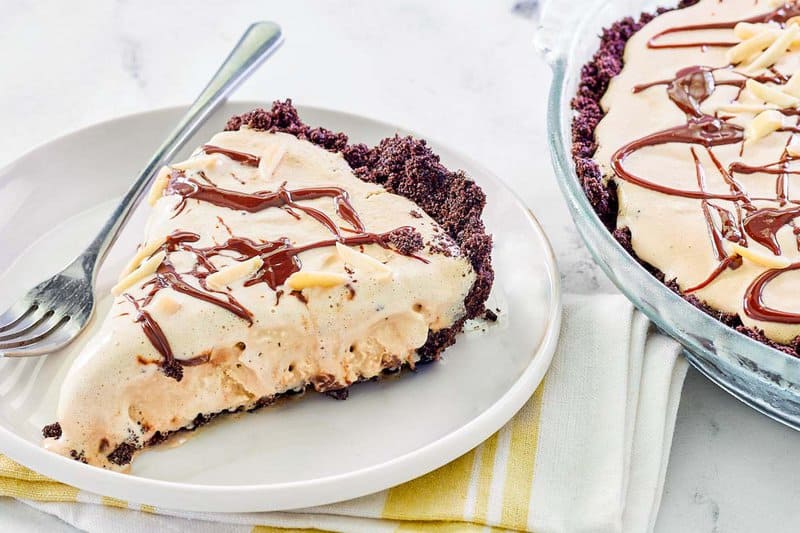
307 452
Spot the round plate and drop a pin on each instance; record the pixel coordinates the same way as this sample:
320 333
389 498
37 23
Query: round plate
307 452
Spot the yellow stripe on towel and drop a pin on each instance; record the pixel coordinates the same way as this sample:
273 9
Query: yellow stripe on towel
521 461
485 478
114 502
439 495
16 481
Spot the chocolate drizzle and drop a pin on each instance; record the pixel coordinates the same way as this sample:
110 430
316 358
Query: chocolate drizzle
763 225
707 131
187 188
246 159
689 88
171 366
779 15
732 260
280 258
754 304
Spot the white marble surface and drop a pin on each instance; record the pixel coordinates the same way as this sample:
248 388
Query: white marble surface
461 71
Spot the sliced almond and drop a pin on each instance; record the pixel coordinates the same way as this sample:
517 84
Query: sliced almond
793 148
751 46
775 50
762 125
761 258
360 260
771 95
793 85
224 277
270 159
745 108
159 184
144 270
745 30
200 162
142 253
304 280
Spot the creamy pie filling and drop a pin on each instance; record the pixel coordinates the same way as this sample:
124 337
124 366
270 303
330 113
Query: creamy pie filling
266 266
702 141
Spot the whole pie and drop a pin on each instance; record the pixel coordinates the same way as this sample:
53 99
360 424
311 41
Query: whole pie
687 144
277 258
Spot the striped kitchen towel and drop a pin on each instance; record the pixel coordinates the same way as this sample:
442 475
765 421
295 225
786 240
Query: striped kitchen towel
588 452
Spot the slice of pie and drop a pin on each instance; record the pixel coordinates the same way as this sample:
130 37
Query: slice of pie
277 258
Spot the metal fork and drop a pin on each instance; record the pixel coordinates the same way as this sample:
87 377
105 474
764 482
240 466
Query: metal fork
54 312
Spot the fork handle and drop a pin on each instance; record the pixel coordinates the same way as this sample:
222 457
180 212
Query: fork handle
260 41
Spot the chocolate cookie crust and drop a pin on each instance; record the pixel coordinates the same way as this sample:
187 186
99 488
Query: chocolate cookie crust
595 75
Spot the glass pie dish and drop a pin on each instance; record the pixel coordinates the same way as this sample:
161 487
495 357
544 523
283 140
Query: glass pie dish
762 377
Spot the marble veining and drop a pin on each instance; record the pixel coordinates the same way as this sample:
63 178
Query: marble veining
525 8
131 62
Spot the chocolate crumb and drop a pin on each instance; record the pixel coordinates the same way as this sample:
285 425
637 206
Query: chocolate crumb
490 315
406 240
122 454
442 244
172 369
283 117
339 394
52 431
201 420
437 341
78 456
269 400
157 438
